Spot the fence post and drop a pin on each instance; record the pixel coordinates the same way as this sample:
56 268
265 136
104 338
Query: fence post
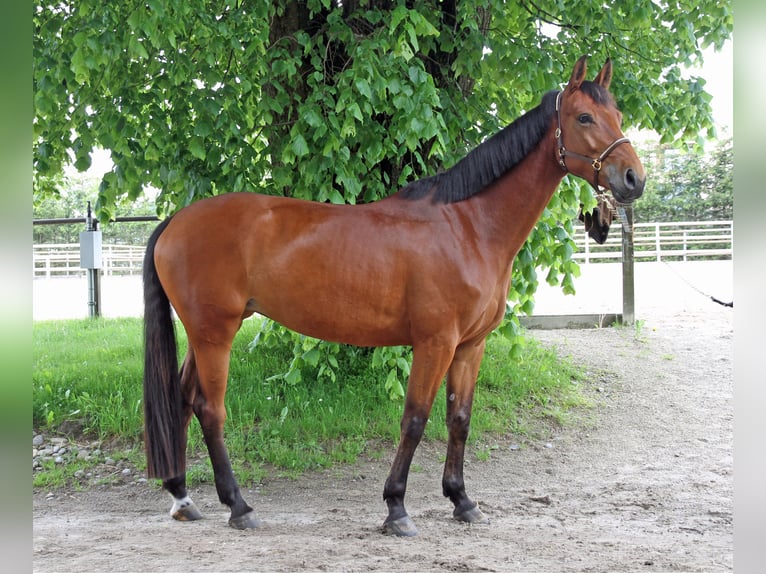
657 241
90 259
628 283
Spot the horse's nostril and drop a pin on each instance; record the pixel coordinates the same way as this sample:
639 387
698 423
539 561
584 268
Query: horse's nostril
630 178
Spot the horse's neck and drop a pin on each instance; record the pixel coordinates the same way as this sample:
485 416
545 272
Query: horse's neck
511 207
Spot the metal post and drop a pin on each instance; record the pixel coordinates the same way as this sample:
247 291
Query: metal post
628 284
93 272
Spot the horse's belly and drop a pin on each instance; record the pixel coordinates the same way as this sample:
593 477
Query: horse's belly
334 313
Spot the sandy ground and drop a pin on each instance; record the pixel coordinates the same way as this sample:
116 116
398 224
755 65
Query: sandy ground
640 481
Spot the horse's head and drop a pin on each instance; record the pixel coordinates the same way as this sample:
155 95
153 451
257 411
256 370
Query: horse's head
590 139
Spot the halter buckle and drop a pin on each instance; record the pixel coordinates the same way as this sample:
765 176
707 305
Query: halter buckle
597 164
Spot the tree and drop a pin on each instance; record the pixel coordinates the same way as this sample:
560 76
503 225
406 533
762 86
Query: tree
77 190
344 101
688 185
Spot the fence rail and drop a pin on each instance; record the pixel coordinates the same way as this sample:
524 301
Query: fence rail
63 260
651 241
671 241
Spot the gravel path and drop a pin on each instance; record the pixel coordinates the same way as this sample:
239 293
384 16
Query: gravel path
641 481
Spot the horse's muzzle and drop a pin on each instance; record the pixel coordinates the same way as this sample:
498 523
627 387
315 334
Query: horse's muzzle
627 186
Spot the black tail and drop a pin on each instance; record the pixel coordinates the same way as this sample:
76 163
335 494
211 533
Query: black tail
164 434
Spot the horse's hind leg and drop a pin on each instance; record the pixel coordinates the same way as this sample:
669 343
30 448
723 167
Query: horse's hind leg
213 368
183 507
461 382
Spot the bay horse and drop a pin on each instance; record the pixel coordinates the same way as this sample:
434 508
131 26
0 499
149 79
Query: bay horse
427 267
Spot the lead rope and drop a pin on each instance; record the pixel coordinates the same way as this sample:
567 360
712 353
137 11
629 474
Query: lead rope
715 300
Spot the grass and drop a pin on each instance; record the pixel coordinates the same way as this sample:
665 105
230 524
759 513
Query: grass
87 381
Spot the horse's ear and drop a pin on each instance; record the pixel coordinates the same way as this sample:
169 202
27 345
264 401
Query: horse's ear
578 74
604 77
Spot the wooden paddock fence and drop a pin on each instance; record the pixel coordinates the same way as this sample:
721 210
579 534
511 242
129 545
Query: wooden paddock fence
63 260
677 241
670 241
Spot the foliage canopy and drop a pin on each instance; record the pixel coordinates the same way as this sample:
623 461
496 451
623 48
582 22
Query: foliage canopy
343 101
688 186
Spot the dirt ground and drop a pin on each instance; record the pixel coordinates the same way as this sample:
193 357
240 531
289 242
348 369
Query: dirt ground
641 481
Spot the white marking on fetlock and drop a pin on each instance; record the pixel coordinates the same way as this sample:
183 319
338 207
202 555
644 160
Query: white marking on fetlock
179 504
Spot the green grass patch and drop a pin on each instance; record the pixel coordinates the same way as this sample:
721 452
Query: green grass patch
87 380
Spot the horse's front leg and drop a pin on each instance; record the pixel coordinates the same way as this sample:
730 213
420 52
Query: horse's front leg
429 364
461 382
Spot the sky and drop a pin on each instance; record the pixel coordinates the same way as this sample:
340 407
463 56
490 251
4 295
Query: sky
718 70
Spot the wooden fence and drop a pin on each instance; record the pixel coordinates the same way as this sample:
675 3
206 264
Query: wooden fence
680 241
672 241
63 260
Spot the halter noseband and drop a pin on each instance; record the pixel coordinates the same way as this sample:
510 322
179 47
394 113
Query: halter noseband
563 152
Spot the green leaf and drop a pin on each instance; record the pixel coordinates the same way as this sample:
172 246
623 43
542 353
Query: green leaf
312 356
300 147
363 87
313 118
394 386
83 162
293 376
397 15
336 197
197 148
354 110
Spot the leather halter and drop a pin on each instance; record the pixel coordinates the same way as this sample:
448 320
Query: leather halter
563 152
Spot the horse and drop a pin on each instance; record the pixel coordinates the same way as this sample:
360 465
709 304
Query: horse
428 267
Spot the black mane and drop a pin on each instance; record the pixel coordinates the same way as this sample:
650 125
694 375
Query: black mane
489 160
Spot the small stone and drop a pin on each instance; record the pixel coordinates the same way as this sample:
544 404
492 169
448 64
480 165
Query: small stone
83 454
79 473
38 440
58 460
514 447
548 445
126 472
109 461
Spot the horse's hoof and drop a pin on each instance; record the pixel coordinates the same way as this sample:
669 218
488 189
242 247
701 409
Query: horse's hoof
471 515
403 526
187 513
185 510
245 521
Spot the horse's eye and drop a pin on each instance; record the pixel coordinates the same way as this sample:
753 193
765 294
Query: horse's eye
585 119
